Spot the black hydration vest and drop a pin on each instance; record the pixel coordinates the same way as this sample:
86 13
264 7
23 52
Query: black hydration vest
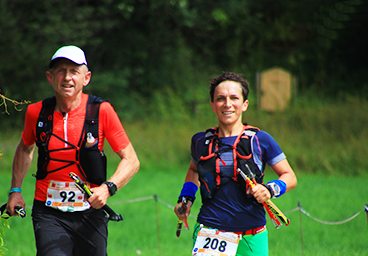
90 161
209 172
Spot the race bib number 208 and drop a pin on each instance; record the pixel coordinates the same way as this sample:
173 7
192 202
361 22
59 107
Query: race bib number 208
211 242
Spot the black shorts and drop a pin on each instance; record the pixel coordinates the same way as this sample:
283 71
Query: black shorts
60 233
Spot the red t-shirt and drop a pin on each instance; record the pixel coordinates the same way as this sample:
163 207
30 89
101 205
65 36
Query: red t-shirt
70 129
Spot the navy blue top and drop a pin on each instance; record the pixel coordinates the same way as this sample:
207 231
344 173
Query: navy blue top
229 209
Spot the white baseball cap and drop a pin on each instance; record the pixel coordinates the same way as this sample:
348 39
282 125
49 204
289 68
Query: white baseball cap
70 52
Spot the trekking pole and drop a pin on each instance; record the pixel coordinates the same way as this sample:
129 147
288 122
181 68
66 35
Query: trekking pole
85 190
269 205
181 210
251 183
18 209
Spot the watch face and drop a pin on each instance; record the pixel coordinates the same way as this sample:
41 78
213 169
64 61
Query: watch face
112 187
275 188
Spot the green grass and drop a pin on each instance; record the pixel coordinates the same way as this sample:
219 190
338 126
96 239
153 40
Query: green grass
325 144
326 198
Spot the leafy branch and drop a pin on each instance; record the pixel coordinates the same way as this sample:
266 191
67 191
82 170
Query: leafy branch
4 223
4 215
15 103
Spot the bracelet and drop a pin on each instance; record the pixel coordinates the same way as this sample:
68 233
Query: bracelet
189 190
15 190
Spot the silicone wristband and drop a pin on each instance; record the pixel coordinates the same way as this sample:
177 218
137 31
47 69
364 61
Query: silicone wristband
15 190
189 190
280 184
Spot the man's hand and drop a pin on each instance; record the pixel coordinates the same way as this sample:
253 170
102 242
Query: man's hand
99 197
15 198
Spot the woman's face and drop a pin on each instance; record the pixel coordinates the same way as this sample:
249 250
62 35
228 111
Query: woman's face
228 103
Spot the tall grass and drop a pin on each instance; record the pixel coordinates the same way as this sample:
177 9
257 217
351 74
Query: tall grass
317 136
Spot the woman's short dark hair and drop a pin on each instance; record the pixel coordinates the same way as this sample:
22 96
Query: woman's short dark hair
229 76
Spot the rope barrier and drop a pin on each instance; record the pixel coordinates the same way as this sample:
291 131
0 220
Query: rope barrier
293 210
172 207
299 208
301 211
134 200
328 222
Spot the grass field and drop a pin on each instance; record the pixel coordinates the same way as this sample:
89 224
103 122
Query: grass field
325 144
149 225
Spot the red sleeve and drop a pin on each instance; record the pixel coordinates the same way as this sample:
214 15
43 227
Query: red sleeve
29 131
113 130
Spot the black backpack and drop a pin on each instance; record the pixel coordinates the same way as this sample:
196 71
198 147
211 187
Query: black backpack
90 161
210 176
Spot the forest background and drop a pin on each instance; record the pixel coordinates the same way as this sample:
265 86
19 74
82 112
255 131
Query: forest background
153 60
158 55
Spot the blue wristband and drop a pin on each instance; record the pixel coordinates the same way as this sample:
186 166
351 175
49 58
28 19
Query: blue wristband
189 189
278 187
15 190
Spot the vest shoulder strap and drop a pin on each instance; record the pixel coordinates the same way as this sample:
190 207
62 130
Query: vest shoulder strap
91 121
92 114
210 132
45 119
248 130
93 107
251 129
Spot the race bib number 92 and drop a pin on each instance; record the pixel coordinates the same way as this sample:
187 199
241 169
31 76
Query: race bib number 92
66 197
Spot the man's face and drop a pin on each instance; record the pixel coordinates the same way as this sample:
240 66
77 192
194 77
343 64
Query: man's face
68 78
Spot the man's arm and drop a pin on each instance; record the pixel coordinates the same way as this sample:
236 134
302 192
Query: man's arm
127 168
21 163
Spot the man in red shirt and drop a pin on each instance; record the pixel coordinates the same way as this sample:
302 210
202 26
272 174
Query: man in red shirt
64 222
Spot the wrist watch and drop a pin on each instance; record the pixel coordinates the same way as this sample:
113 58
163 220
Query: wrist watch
275 189
112 187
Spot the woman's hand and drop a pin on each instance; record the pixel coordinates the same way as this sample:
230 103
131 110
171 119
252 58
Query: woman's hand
259 192
187 212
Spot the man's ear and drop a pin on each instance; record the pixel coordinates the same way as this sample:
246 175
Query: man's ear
87 78
49 77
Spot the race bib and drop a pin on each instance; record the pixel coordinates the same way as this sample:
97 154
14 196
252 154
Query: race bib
211 242
66 197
